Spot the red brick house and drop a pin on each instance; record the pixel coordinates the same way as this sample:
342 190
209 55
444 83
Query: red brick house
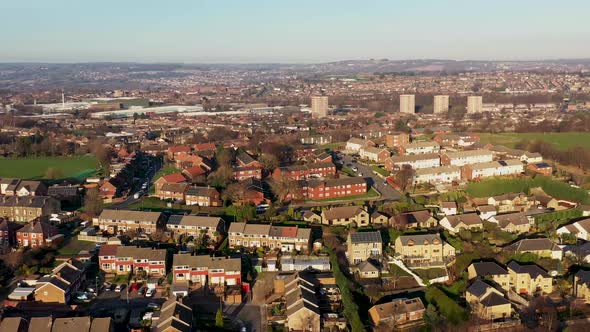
253 192
204 147
302 172
192 173
130 259
243 173
174 151
332 188
108 190
542 168
202 196
170 178
35 234
243 159
173 191
188 160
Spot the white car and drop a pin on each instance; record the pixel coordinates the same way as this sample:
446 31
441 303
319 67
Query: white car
150 292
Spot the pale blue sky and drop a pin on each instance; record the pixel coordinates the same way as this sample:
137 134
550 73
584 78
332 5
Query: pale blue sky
291 31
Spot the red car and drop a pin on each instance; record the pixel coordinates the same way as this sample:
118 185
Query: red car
135 286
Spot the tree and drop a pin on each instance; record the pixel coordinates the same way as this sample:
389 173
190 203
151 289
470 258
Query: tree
93 202
221 177
219 318
405 176
269 162
233 193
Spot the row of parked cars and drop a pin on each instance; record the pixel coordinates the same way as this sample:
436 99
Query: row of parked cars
140 288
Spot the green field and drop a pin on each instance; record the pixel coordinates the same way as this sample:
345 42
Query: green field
562 141
35 168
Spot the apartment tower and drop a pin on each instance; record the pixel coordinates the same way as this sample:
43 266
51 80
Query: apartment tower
474 104
319 106
441 104
407 104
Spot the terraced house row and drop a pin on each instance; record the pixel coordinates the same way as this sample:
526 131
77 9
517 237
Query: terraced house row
129 259
207 270
330 188
284 238
302 172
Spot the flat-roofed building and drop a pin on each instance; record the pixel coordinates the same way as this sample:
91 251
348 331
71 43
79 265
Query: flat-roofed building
474 104
319 106
407 104
441 104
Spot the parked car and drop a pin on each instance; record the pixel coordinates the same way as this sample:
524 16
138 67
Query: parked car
83 297
150 292
119 288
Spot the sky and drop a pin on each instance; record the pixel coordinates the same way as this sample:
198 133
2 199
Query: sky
302 31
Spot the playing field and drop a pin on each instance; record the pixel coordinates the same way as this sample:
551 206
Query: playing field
562 141
35 168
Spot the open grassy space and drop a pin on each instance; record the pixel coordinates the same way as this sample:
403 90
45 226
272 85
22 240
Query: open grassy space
35 168
73 246
380 170
562 141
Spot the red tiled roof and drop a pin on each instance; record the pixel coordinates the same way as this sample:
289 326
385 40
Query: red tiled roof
179 148
174 178
195 171
108 250
204 146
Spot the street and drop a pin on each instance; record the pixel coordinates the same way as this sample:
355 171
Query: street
386 191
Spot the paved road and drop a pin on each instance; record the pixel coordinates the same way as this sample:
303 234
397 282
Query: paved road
130 200
387 192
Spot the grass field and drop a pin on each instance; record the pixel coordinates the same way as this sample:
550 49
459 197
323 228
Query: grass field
562 141
35 168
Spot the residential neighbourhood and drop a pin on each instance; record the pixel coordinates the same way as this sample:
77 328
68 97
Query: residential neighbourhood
170 168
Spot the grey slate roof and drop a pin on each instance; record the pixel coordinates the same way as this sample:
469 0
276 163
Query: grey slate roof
366 237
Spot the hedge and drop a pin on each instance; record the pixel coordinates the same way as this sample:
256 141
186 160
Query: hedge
453 312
